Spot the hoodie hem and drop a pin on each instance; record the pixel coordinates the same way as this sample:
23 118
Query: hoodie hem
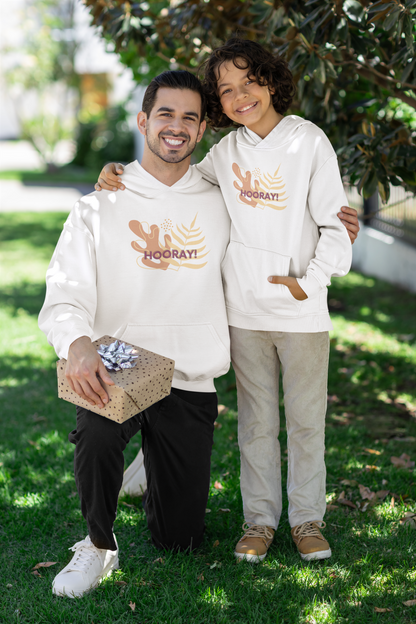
205 385
305 324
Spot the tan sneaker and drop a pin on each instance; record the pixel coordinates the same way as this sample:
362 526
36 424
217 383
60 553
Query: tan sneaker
255 542
310 541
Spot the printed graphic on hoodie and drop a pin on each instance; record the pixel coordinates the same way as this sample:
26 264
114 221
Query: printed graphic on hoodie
264 191
181 248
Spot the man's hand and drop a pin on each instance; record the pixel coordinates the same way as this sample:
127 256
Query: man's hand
108 178
83 368
292 283
349 218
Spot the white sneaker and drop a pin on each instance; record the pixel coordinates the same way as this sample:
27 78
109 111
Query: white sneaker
134 480
86 569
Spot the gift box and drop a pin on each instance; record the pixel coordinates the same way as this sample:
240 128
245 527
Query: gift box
148 380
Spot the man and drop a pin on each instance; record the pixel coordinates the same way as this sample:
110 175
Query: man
144 266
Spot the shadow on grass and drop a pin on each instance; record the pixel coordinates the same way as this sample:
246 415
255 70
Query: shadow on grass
35 229
28 296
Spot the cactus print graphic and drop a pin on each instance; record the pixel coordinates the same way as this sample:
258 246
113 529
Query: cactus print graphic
182 247
260 190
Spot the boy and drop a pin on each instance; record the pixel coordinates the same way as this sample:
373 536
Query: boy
281 184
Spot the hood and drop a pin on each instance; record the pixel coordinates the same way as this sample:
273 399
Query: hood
284 132
139 181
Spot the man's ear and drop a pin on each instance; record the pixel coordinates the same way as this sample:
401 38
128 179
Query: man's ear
201 130
141 122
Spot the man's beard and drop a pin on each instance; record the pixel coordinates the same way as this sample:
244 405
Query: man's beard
174 157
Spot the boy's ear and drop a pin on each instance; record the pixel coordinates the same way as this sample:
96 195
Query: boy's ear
201 130
141 122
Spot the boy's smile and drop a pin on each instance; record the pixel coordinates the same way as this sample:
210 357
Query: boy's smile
244 101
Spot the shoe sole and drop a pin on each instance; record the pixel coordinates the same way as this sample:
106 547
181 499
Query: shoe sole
106 573
134 479
250 558
320 554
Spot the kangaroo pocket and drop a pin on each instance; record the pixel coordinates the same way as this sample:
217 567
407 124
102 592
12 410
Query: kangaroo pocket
247 290
197 350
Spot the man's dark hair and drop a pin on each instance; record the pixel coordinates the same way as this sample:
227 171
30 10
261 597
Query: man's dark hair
266 68
173 80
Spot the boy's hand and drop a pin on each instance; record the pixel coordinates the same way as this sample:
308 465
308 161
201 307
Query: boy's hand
83 369
349 218
293 285
108 178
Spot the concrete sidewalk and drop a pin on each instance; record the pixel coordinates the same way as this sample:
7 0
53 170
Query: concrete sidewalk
16 196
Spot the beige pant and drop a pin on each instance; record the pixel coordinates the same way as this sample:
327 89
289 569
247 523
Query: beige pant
257 358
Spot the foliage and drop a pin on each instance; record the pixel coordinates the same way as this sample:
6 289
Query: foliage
350 59
104 138
41 65
372 405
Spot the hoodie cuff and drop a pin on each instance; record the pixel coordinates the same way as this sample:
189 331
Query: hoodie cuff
64 341
310 285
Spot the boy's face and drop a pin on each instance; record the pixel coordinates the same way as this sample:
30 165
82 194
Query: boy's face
244 101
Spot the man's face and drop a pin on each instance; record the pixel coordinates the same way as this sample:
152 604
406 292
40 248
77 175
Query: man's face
174 126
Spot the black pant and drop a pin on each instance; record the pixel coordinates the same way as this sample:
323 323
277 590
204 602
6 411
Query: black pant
177 434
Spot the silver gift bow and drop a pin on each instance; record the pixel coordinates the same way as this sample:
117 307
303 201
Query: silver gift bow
117 356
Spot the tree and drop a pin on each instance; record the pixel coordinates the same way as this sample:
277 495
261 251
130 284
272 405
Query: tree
353 61
42 76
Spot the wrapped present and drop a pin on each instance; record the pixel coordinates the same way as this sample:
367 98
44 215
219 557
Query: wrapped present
141 378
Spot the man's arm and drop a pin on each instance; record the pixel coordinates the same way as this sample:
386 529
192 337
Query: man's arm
84 369
67 315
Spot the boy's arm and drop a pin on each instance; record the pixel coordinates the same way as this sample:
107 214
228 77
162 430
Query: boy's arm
349 218
207 169
109 179
68 313
333 250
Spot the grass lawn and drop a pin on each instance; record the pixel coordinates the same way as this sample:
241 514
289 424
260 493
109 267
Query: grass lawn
371 418
68 173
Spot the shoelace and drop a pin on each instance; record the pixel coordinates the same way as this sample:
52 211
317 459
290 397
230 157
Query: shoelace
309 529
85 552
257 530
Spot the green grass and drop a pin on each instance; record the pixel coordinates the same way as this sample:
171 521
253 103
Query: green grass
372 408
67 173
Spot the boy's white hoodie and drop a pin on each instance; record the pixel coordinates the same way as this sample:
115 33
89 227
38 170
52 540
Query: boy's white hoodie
144 266
283 194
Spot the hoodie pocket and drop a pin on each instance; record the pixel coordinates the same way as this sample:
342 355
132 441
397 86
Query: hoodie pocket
247 290
197 350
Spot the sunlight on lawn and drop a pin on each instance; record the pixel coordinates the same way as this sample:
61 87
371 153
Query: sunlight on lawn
371 417
29 500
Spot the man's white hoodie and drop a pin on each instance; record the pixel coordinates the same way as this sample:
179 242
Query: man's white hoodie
283 194
145 266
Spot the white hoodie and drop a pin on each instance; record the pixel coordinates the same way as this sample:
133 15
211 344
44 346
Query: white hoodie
283 194
145 266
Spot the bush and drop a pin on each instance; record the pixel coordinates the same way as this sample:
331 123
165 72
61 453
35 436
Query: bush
103 139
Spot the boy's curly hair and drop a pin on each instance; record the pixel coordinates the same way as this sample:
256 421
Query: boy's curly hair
267 68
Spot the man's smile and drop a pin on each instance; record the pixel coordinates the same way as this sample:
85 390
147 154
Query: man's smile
173 142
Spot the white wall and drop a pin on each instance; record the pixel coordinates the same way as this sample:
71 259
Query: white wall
383 256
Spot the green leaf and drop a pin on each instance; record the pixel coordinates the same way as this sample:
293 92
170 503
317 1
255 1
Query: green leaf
312 16
391 19
312 64
407 71
320 72
353 10
370 184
